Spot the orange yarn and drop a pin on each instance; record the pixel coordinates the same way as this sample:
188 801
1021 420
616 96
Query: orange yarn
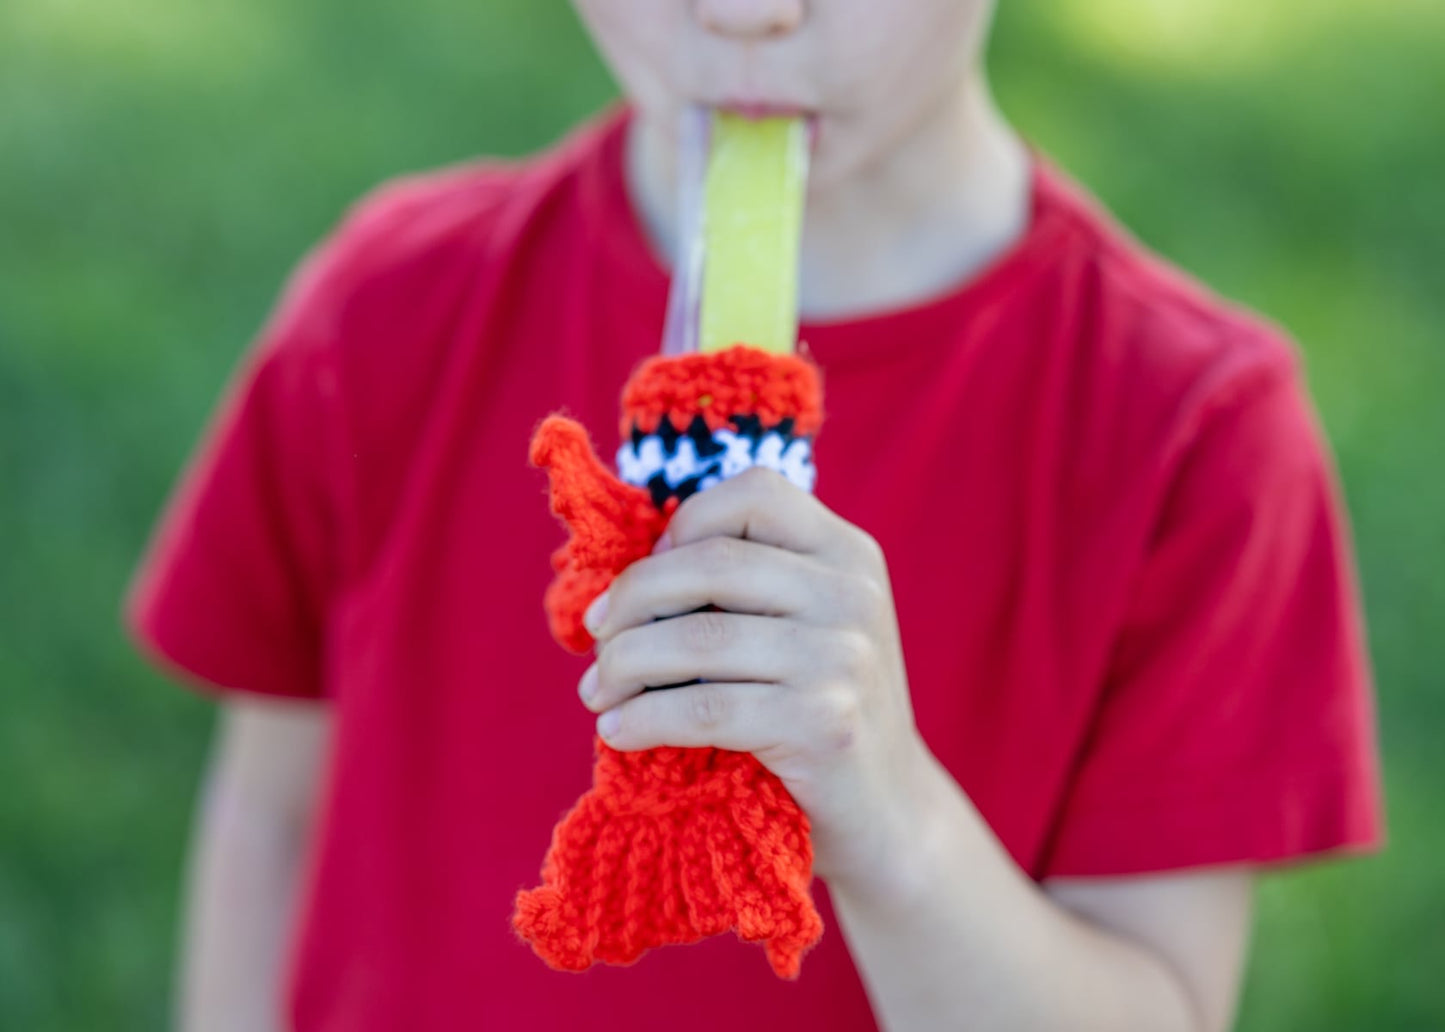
670 845
720 385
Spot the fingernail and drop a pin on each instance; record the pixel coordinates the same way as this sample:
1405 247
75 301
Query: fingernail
663 543
595 612
587 687
607 723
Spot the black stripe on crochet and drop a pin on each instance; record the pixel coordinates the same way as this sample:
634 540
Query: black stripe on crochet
748 425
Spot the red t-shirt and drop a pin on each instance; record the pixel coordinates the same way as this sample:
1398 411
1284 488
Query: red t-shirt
1115 535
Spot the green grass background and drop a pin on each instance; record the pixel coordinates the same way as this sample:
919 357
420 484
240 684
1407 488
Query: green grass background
162 165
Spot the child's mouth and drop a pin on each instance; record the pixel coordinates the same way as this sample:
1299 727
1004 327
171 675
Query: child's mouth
768 109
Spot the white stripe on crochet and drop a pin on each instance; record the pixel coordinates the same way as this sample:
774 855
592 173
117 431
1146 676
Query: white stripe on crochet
792 458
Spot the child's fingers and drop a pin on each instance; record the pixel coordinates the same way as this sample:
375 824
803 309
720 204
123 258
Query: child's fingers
821 720
730 573
723 715
760 504
715 646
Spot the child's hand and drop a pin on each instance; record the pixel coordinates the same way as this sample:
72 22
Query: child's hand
804 668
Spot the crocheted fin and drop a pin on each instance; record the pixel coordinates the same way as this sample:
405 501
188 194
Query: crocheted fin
585 493
671 846
610 524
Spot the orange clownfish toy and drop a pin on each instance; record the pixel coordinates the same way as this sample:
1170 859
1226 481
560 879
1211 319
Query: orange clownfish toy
671 845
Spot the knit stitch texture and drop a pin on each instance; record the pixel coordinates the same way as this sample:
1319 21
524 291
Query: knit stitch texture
669 845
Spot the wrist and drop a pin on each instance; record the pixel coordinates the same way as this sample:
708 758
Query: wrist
910 853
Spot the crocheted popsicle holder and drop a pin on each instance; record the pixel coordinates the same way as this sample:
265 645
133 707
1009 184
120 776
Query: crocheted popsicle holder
671 845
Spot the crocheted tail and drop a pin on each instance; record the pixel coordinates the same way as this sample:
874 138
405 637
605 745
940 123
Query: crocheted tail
671 846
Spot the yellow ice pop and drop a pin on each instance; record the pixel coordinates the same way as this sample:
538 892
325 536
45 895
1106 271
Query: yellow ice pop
751 225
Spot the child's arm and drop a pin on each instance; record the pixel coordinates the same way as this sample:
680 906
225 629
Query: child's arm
803 668
967 934
1232 728
251 829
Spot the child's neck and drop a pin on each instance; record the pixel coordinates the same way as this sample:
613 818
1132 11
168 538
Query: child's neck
952 195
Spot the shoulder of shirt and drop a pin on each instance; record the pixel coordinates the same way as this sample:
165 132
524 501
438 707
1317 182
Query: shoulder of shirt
413 216
1199 354
415 237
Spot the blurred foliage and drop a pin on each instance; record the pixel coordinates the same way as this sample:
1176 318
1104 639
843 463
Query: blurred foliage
162 166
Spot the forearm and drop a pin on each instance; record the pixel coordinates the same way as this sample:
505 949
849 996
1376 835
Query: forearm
951 934
248 845
238 909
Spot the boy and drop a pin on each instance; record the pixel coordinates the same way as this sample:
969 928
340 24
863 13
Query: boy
1066 643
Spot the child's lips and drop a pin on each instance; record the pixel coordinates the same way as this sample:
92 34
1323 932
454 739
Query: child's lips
770 109
763 108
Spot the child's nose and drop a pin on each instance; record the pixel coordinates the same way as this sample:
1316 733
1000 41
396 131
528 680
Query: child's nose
750 19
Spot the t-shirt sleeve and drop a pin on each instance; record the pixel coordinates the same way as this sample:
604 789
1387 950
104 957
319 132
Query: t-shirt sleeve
1236 724
233 588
